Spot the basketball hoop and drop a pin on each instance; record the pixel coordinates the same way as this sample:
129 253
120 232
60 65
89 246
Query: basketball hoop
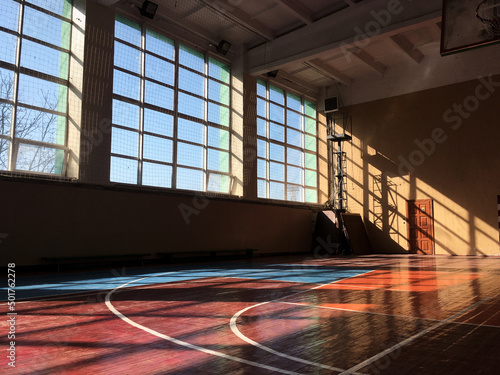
488 13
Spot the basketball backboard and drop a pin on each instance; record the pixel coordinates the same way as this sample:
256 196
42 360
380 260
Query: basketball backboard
469 24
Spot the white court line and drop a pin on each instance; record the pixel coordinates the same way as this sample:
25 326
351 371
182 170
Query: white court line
183 343
234 327
237 332
409 339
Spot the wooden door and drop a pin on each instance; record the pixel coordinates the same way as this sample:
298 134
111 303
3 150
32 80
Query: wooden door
420 226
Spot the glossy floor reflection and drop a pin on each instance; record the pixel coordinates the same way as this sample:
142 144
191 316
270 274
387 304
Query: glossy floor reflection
363 315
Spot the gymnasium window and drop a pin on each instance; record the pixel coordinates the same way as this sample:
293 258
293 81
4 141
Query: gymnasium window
286 145
171 113
35 40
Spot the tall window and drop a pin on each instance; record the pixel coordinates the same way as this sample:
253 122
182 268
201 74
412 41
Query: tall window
286 146
34 67
171 113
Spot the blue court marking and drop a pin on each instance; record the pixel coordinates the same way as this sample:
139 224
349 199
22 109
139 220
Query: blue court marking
59 284
313 275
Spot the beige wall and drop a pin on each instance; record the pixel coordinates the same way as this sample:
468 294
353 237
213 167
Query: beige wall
449 137
47 219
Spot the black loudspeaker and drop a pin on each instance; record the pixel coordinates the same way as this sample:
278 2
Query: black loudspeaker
331 104
273 73
149 9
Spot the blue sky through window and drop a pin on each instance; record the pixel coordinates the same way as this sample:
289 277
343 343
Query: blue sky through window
59 7
125 114
46 28
158 148
190 131
44 59
158 122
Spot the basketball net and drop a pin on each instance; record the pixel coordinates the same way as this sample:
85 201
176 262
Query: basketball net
488 13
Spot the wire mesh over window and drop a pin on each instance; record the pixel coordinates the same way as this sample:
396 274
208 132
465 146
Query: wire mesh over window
286 146
35 38
171 113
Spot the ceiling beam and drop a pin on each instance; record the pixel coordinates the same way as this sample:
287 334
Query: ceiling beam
297 10
185 25
265 11
295 83
408 47
355 26
437 27
192 11
186 30
236 15
107 3
329 71
368 60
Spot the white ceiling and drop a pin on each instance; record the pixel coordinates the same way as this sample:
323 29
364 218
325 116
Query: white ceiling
314 44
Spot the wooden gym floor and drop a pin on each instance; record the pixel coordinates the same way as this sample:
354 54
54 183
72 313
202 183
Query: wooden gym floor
286 315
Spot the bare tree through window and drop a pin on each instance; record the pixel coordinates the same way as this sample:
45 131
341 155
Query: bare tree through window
30 124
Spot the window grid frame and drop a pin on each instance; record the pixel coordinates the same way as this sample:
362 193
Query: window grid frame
142 89
268 141
14 141
142 105
175 113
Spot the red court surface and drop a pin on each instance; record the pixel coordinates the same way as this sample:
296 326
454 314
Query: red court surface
393 315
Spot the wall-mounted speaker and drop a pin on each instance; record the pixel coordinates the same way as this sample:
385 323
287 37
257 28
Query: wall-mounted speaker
149 9
331 104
